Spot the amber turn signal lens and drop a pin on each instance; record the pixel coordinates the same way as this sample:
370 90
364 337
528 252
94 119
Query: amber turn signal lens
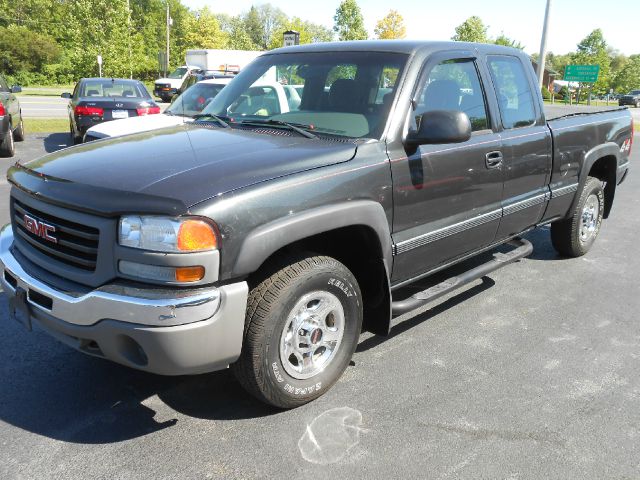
196 235
189 274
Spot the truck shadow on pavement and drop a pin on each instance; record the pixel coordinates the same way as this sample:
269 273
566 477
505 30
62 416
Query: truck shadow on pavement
50 390
543 250
53 391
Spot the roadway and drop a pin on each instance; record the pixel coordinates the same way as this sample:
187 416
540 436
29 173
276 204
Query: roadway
50 107
56 107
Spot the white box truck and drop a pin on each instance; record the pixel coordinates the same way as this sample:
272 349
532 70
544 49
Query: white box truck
223 61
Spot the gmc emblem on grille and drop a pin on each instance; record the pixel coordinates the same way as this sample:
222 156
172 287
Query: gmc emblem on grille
40 228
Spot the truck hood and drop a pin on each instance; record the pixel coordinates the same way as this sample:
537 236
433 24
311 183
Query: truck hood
188 163
129 125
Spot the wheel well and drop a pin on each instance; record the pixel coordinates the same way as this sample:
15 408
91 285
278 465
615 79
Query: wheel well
605 169
358 248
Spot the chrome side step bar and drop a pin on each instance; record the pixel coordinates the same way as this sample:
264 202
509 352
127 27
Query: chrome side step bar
417 300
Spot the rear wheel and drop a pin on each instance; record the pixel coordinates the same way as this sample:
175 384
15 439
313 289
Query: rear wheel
75 140
18 133
7 145
574 236
302 327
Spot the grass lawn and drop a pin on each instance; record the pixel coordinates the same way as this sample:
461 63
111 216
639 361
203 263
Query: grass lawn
46 91
46 125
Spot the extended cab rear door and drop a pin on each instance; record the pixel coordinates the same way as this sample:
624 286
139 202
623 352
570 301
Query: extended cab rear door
526 147
447 198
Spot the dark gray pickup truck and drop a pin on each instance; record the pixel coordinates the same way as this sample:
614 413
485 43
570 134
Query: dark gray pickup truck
267 240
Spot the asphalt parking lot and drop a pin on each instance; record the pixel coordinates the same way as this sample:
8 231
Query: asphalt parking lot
531 373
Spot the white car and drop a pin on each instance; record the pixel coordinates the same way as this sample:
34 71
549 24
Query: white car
263 97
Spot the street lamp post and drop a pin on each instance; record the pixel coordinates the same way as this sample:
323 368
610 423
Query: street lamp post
542 58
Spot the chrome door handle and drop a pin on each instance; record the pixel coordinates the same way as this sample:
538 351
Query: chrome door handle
493 159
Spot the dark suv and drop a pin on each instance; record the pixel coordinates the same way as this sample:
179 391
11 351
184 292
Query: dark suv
631 98
11 125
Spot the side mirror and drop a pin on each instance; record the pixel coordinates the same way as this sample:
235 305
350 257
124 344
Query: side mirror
65 95
16 89
441 126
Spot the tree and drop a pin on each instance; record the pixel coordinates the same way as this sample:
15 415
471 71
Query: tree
391 27
628 78
592 50
348 21
203 31
309 32
261 22
22 49
237 36
502 39
471 30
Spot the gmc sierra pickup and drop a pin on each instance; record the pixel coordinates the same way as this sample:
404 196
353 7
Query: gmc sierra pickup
267 241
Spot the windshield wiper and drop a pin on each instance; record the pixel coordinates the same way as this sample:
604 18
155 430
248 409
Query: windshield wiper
298 128
200 116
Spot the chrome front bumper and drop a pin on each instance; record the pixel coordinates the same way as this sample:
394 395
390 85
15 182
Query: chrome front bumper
170 332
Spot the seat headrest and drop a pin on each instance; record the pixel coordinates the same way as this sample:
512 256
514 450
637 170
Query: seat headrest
442 95
344 95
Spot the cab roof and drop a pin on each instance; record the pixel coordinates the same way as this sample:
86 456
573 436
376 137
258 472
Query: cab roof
397 46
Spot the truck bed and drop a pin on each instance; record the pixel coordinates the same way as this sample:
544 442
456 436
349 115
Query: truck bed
560 110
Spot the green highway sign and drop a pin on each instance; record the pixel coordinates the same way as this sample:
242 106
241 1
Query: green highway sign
582 73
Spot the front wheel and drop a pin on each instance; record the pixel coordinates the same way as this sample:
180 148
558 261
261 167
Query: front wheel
302 326
574 236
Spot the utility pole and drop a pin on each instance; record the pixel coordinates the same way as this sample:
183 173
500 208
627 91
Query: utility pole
542 58
166 64
129 37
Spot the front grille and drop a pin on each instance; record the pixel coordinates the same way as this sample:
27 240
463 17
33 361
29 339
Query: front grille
77 245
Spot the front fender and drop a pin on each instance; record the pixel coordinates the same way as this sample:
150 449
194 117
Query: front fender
267 239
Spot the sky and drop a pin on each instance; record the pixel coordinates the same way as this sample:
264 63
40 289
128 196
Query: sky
521 20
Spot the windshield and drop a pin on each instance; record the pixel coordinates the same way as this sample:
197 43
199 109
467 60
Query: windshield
634 92
337 93
195 99
178 73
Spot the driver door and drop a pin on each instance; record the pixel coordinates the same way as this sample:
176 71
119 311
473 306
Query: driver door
447 198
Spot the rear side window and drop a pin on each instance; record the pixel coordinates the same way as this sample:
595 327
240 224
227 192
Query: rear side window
513 89
454 85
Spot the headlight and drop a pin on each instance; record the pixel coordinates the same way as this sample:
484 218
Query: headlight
166 234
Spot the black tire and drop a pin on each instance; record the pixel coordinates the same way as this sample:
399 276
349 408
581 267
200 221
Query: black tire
75 140
270 320
7 144
574 236
18 133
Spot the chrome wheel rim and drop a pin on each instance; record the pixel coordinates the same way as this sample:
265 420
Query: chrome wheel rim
312 334
589 220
